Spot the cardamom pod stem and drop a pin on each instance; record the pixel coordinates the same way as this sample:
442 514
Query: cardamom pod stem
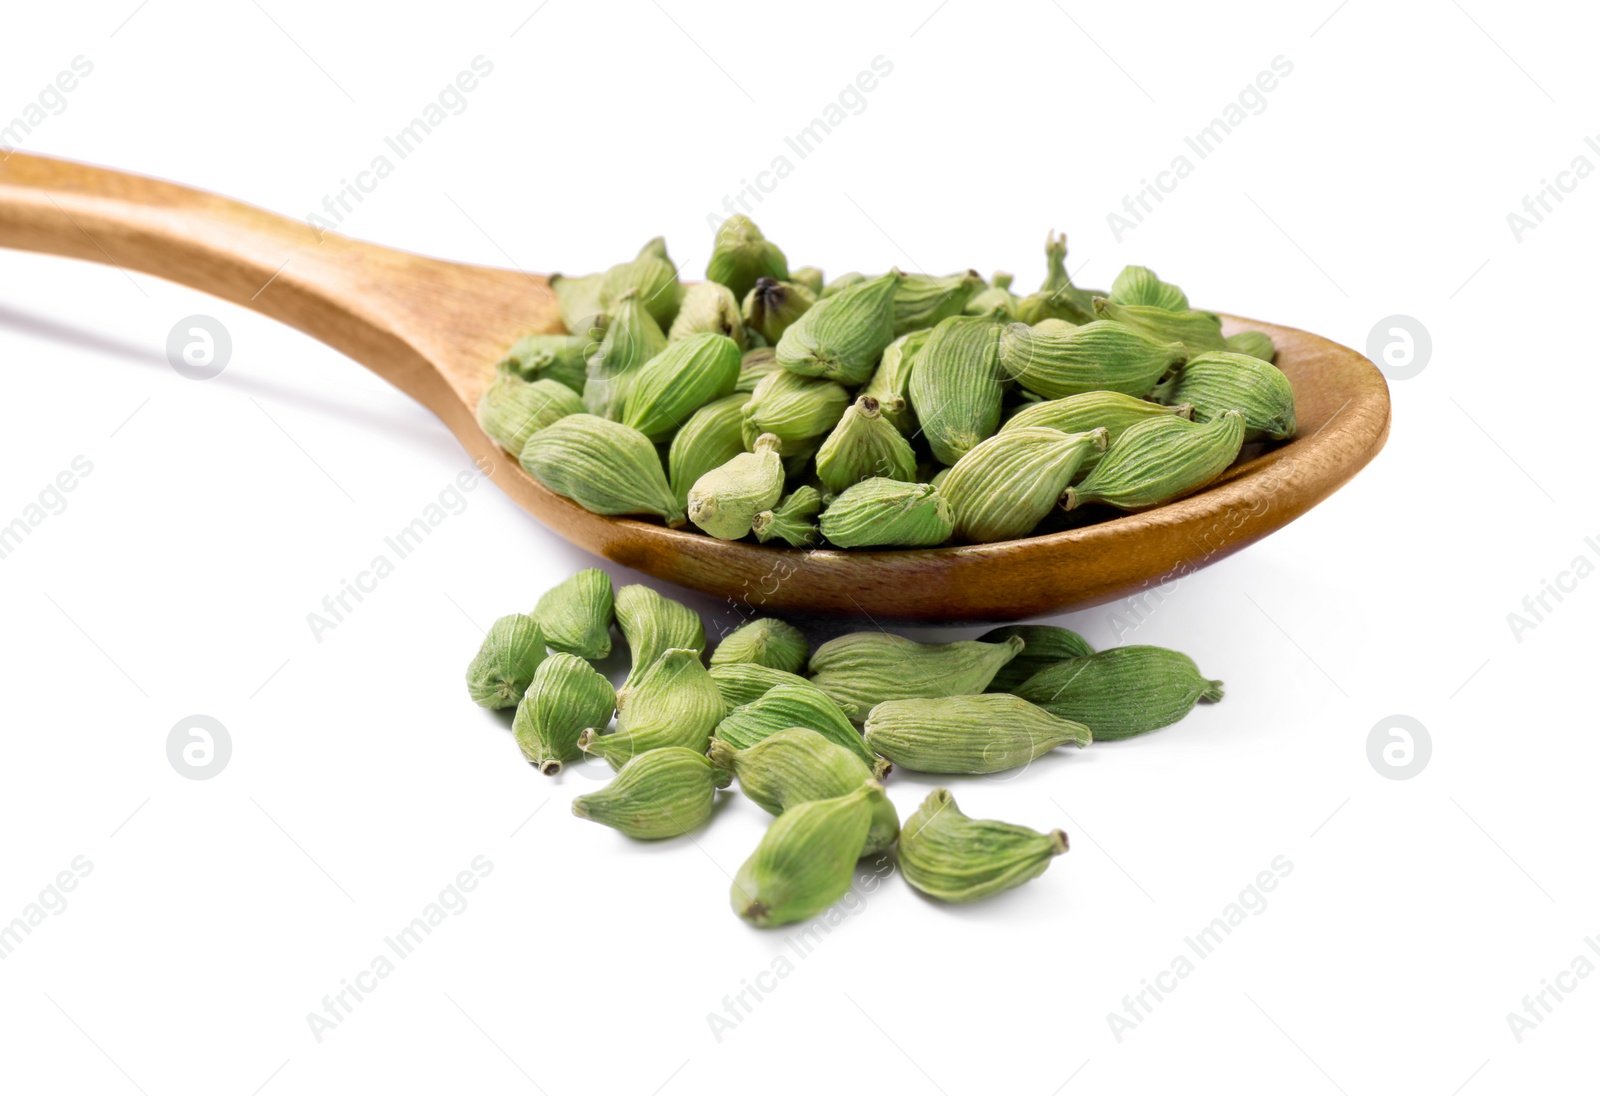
794 520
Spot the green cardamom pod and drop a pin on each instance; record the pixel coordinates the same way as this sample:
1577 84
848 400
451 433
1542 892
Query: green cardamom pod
1123 691
805 861
663 793
1257 344
740 255
708 306
922 300
1198 331
1099 356
1222 381
652 276
988 733
726 499
1139 285
1155 462
997 297
768 641
504 666
675 703
841 283
841 337
798 766
653 625
793 521
606 467
512 410
787 705
1057 298
576 615
743 682
557 358
954 858
578 299
771 307
756 366
1112 411
887 513
1007 484
810 277
864 444
567 697
956 387
680 380
631 339
891 382
799 410
711 438
1047 644
863 669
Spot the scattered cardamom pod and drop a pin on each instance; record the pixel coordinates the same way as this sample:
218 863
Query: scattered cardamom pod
771 307
711 438
799 410
673 385
606 467
810 277
504 666
1047 644
741 254
1057 298
863 669
1156 461
956 385
575 615
653 625
954 858
864 445
1139 285
708 307
1198 331
891 382
631 339
804 862
662 793
987 733
1123 691
726 499
652 276
1221 381
675 703
768 641
997 297
922 300
1255 343
887 513
841 337
512 410
788 705
742 682
567 696
1005 485
1099 356
793 521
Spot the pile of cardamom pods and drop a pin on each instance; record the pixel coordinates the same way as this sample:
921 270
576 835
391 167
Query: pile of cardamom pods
811 735
904 410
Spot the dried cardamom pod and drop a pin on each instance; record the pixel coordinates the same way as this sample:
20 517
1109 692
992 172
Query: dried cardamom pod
652 276
631 339
557 358
1006 484
891 382
567 697
841 283
887 513
863 669
1099 356
1121 692
956 387
922 300
708 306
1257 344
997 297
504 666
1139 285
787 705
576 615
512 410
841 337
987 733
798 766
793 521
1198 331
810 277
1155 461
680 380
653 625
741 254
1112 411
743 682
1057 298
799 410
726 499
865 444
804 863
711 438
578 299
767 641
674 703
954 858
1047 644
756 366
663 793
606 467
1221 381
771 307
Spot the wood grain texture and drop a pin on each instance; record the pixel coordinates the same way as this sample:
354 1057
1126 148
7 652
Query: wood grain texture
434 330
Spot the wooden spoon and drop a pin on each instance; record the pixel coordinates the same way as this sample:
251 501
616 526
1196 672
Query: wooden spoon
434 330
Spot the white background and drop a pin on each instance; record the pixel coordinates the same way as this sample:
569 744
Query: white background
218 913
